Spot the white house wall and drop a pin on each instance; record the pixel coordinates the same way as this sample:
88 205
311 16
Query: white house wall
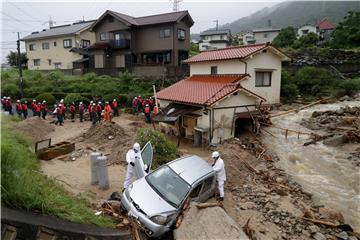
309 28
264 37
263 61
224 67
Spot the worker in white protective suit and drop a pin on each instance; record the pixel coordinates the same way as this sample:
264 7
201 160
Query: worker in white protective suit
219 168
132 158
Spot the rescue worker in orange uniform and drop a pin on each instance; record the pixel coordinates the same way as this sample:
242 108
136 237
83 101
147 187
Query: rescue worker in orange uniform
25 109
147 112
18 108
107 111
72 111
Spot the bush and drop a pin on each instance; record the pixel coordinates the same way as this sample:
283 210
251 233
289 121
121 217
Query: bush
286 37
308 40
10 90
55 76
59 95
350 86
90 76
312 80
289 91
76 98
48 97
164 150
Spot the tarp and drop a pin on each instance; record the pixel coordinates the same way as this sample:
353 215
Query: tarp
173 111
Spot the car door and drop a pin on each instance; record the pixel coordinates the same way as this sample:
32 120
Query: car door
208 188
143 164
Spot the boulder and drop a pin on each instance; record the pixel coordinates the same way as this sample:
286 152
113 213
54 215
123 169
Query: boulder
208 223
335 140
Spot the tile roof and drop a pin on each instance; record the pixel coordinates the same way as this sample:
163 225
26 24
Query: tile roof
59 30
149 20
215 32
238 52
202 89
326 24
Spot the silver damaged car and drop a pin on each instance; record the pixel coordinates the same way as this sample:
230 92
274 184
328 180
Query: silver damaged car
155 199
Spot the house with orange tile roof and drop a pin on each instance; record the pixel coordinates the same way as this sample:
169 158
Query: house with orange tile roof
221 97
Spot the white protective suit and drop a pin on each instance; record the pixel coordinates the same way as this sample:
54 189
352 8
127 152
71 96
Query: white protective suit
219 168
131 157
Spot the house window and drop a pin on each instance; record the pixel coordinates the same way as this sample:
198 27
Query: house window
213 70
265 35
263 79
49 61
36 62
118 36
67 43
181 34
222 37
57 65
111 19
165 33
104 36
85 43
54 44
305 31
45 45
32 47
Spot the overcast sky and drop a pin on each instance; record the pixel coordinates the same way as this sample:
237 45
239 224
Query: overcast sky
29 16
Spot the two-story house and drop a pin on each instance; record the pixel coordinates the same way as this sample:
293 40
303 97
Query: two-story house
151 45
222 96
55 48
214 39
265 35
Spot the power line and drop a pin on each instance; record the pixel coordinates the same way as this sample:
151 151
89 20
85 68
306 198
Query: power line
15 19
22 11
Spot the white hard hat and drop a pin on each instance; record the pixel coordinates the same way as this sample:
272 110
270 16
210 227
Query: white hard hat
99 102
4 97
34 100
44 101
17 100
91 101
62 100
80 102
215 154
107 102
136 146
114 100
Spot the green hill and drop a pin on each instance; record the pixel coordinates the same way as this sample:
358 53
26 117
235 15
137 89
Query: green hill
294 13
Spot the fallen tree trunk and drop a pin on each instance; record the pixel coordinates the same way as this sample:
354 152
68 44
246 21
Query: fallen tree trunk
298 109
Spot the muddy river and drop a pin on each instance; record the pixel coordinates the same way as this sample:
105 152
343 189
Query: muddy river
322 170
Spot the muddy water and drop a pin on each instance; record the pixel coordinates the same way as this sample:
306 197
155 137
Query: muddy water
322 170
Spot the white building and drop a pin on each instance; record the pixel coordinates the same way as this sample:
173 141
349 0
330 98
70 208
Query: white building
213 39
248 38
305 30
265 35
223 93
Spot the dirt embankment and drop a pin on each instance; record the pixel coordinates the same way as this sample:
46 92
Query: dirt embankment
275 204
35 128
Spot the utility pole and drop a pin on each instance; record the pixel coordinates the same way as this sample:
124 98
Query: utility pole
217 24
50 22
176 4
20 70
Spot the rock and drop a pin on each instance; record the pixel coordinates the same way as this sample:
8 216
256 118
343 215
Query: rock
340 112
344 98
353 238
248 205
313 229
305 233
319 236
343 235
280 180
331 215
336 140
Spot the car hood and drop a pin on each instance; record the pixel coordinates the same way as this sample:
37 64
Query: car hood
148 200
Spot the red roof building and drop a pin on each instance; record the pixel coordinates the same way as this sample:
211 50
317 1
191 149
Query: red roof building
204 90
326 24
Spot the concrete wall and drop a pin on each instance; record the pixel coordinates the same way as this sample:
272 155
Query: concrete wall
57 54
263 37
261 61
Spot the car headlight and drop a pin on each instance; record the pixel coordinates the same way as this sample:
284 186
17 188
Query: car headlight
159 219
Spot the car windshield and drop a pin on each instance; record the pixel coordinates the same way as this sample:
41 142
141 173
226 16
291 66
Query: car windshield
169 185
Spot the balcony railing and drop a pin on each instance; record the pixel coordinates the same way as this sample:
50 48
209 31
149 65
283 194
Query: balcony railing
121 43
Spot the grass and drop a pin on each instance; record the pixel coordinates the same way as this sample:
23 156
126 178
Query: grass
23 186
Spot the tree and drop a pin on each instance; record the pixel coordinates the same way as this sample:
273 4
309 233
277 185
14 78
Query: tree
286 37
308 40
12 58
194 49
347 33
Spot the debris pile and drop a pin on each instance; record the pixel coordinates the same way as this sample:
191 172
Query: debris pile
35 128
340 126
109 138
259 188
